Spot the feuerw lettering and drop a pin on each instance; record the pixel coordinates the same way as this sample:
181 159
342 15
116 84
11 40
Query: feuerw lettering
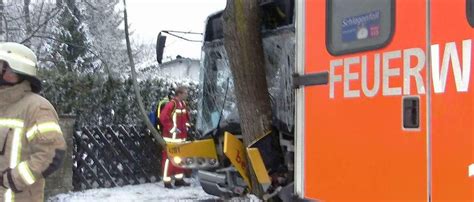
382 71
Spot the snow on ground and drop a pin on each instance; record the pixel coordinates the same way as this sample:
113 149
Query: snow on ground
143 192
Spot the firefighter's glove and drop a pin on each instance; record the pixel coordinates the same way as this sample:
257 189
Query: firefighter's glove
175 130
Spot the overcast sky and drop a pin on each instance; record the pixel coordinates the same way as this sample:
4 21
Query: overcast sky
149 17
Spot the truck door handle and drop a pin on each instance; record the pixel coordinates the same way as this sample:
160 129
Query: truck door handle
320 78
411 112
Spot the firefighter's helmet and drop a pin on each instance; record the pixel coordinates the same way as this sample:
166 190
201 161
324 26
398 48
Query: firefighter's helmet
22 60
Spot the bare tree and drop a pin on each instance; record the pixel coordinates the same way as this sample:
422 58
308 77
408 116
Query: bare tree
243 43
106 31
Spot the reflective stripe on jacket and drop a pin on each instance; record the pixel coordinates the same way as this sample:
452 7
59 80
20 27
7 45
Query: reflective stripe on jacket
175 118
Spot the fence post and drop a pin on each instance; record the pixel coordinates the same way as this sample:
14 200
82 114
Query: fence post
61 181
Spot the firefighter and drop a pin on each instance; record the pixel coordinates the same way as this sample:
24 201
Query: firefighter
32 146
175 121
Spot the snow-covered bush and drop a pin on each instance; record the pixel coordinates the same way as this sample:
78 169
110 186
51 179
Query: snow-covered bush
99 100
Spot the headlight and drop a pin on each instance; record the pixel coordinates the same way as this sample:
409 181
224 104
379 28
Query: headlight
177 160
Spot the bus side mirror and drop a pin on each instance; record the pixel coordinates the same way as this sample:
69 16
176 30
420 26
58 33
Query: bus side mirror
160 47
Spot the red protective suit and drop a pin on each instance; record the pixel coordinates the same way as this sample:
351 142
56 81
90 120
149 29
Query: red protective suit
174 118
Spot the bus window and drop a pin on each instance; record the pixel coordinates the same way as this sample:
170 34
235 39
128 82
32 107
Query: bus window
277 13
214 29
470 12
358 25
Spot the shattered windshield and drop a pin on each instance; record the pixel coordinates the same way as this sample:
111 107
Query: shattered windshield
216 76
216 79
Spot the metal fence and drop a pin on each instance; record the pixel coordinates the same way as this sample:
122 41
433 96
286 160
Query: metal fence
114 156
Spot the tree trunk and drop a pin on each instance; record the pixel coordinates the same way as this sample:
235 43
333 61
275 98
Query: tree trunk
26 13
243 43
2 19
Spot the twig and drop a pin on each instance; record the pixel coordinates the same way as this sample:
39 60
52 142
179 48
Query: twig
40 26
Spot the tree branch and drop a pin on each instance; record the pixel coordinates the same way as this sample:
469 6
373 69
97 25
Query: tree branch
40 26
26 12
40 12
89 4
7 36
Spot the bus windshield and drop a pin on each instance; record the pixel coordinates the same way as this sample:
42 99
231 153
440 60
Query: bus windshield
216 77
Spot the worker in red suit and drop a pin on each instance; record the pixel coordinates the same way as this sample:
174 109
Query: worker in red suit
175 120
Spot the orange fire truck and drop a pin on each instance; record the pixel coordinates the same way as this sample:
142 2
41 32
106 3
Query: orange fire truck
385 103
